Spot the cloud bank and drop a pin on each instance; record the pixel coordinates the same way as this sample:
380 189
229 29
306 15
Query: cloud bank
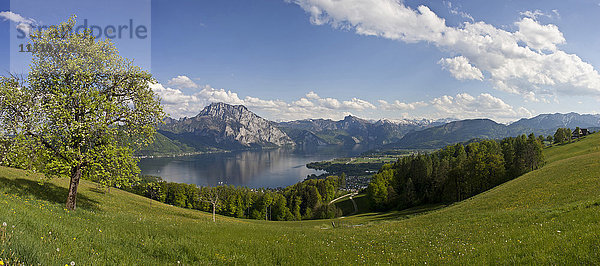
463 106
178 104
182 82
526 61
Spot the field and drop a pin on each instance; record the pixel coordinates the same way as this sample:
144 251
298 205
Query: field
548 216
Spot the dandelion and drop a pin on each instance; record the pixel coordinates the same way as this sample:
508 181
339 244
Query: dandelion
1 262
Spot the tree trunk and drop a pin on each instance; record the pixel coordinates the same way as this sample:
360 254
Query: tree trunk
214 208
72 197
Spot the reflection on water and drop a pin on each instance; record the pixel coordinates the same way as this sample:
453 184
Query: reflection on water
267 168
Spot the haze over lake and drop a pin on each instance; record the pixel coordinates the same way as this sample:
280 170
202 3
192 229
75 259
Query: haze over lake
264 168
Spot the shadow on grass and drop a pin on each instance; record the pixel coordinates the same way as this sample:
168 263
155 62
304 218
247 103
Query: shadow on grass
403 214
45 191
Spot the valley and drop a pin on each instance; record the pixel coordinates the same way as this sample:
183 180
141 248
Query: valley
546 216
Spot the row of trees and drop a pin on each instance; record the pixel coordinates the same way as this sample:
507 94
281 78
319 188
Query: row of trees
562 135
454 173
306 200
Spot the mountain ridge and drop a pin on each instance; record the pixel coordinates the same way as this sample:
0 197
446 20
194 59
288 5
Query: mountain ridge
465 130
234 127
226 126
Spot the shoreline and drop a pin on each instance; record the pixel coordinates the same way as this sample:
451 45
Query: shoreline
209 152
178 154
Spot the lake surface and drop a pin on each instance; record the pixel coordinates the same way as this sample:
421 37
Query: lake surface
266 168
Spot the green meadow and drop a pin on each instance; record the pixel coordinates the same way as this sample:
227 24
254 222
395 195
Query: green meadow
548 216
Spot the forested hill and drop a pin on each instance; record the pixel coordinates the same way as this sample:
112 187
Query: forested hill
163 146
550 122
454 173
465 130
453 132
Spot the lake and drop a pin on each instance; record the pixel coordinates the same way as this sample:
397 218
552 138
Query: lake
259 168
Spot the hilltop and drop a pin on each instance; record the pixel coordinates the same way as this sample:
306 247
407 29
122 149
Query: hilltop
547 216
465 130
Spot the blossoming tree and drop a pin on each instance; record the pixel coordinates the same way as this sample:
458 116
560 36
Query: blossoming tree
80 111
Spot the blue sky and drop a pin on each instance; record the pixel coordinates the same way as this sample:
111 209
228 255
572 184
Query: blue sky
371 58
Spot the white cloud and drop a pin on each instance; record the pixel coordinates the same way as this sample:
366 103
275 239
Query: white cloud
182 82
397 105
23 24
464 106
358 104
538 13
455 11
178 104
538 66
303 102
539 37
530 97
329 103
272 105
312 95
460 68
535 14
16 18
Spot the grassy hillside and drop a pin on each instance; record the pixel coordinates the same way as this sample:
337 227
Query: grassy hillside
551 215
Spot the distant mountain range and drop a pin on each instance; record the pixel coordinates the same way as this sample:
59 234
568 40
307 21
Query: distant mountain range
352 130
461 131
221 126
548 123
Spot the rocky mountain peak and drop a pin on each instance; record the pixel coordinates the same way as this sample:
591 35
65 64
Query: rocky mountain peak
227 126
225 111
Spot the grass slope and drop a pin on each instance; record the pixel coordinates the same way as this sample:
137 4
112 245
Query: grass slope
549 216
